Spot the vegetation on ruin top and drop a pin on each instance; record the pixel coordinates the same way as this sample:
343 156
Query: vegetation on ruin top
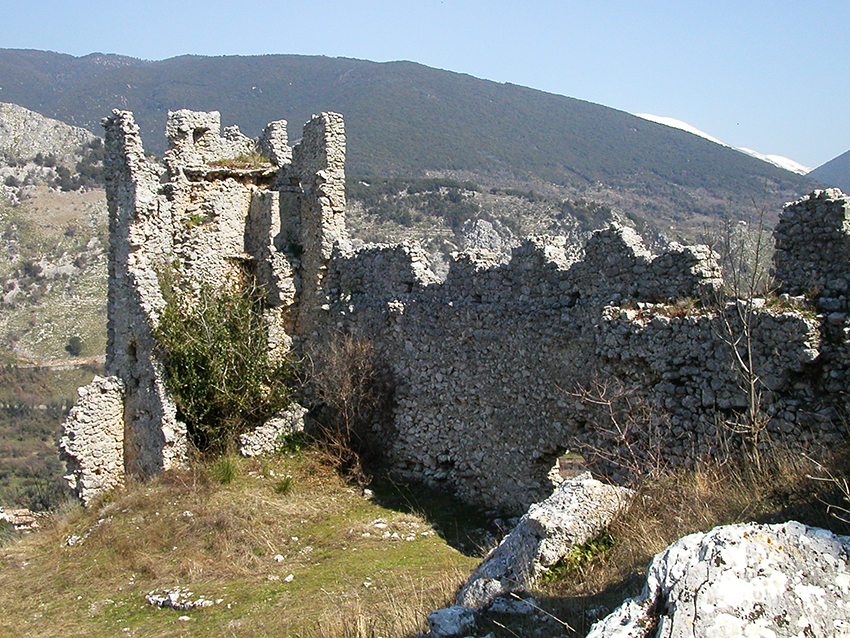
245 162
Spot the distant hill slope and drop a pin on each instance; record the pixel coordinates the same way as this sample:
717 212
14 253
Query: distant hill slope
836 172
25 133
406 119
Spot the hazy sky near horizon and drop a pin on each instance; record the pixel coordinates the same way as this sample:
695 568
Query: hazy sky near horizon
767 75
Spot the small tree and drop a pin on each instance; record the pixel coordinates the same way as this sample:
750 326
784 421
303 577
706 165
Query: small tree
744 256
218 365
75 346
348 378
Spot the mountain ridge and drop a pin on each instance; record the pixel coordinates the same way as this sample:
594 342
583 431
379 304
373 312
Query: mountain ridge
406 119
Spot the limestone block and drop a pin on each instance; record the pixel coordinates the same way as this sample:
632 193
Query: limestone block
451 622
742 580
578 510
266 438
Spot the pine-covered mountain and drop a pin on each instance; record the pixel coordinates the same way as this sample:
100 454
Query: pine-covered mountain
405 119
836 172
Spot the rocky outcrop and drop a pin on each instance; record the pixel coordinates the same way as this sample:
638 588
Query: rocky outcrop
24 134
783 580
578 511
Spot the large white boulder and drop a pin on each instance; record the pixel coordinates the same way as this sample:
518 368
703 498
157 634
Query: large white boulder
746 580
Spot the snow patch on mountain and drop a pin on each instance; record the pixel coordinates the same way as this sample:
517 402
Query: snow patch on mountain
777 160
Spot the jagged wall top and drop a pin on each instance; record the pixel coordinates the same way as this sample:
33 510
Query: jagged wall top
813 248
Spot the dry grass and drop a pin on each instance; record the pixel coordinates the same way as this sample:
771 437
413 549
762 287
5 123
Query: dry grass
669 505
239 543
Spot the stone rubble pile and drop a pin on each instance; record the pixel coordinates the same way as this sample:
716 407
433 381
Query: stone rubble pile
179 598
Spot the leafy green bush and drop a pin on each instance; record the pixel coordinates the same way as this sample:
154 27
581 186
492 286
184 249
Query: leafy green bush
217 363
74 346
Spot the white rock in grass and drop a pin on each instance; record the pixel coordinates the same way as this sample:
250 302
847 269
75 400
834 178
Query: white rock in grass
451 622
742 580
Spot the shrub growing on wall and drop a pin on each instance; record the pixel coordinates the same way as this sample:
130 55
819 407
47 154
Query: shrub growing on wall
217 363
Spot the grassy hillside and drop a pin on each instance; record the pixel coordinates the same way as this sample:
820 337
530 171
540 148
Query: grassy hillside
53 275
410 120
289 549
315 559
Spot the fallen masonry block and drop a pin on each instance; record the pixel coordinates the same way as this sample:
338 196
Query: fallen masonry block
576 512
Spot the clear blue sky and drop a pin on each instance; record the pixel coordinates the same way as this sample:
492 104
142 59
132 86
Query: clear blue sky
769 75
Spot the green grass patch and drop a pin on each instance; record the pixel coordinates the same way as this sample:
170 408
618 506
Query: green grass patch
321 562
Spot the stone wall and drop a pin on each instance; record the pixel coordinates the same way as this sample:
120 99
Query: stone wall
215 212
93 445
813 248
625 356
502 367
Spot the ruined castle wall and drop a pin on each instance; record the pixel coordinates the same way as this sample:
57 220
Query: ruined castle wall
500 367
139 239
318 166
93 445
485 363
216 215
813 248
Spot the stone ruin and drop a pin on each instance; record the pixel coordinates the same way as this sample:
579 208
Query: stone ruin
498 368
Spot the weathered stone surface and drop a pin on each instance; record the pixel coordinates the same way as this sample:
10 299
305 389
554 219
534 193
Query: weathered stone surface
93 442
451 622
812 244
266 438
742 580
577 511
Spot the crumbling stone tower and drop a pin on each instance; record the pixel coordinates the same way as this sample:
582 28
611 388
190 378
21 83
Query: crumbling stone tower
221 206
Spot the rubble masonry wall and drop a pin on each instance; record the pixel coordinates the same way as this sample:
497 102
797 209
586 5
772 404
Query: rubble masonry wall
499 368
